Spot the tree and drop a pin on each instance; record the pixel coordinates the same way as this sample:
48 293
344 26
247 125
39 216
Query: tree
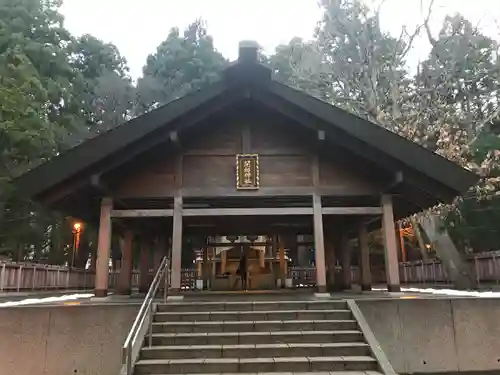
105 91
450 106
180 64
35 89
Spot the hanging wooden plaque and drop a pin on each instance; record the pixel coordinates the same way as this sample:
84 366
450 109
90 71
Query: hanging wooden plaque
247 171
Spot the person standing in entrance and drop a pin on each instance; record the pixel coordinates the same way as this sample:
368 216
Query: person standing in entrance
242 271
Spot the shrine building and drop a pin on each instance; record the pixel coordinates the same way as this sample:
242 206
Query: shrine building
246 165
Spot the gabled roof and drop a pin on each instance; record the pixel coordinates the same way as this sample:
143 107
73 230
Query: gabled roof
432 174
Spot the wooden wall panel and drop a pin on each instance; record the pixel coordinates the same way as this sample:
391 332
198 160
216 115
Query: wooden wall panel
152 181
287 171
220 139
209 171
275 139
332 173
146 184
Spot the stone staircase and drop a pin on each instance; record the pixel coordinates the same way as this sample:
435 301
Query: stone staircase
256 337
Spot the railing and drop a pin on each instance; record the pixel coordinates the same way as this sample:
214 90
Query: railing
303 277
486 267
144 320
188 278
24 277
19 277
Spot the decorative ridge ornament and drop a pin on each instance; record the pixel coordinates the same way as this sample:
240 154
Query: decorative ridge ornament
247 172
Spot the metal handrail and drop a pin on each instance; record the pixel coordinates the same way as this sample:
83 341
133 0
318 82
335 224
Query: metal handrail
144 319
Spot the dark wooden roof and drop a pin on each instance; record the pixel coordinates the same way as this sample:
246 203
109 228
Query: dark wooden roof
429 178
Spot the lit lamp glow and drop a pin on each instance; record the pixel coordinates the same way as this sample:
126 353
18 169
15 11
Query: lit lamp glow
77 229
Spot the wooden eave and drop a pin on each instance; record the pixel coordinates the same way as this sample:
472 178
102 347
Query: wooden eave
428 177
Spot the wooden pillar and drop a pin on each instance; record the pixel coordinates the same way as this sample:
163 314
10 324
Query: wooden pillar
103 249
213 264
223 261
330 264
346 262
282 262
274 253
262 258
319 245
391 247
124 286
177 245
205 268
144 266
366 274
199 273
160 250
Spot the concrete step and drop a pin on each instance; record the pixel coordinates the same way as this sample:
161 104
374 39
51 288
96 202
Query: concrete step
252 306
187 316
307 373
255 351
239 338
249 326
263 364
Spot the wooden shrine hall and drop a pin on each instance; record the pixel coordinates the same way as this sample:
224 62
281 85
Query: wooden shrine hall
246 156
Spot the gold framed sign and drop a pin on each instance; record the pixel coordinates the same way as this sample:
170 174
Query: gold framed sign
247 172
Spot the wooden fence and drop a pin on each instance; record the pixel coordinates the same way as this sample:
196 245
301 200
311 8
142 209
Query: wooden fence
17 277
22 277
486 268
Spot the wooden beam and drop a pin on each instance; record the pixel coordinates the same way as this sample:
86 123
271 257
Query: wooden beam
174 136
352 210
248 211
398 180
321 135
131 151
253 244
280 191
142 213
357 146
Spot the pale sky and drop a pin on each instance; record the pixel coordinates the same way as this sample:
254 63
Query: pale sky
136 27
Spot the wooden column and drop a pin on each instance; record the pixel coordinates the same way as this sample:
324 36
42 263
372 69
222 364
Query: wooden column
391 247
366 274
177 245
212 265
144 266
330 264
262 259
282 262
103 249
124 286
346 262
274 253
205 268
223 261
160 251
319 245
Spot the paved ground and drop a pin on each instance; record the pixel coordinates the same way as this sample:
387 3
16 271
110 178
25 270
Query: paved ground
86 297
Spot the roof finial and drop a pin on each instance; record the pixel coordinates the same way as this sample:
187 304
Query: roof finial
248 51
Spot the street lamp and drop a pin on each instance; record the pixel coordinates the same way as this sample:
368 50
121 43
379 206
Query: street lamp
77 229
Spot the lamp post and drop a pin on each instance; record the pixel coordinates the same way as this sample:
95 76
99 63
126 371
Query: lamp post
77 229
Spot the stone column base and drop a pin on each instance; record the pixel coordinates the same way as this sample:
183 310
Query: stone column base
100 293
394 288
366 288
124 292
322 289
